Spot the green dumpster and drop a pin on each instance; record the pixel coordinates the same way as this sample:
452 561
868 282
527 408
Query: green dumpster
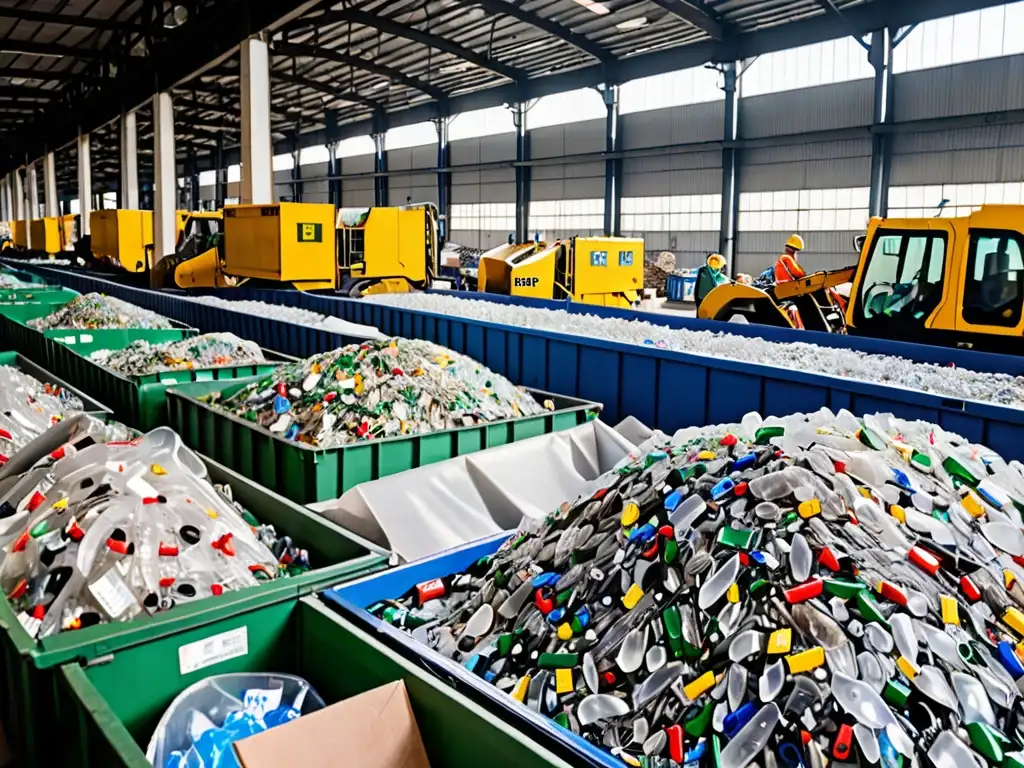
28 667
307 475
107 712
140 401
52 296
25 365
15 333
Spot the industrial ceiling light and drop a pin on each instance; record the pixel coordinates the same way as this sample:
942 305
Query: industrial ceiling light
625 26
175 16
377 86
592 5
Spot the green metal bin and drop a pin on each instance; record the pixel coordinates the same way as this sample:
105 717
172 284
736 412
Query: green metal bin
307 475
16 334
140 401
52 296
28 667
106 712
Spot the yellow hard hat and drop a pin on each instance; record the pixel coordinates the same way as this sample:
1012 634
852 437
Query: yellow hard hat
716 261
796 242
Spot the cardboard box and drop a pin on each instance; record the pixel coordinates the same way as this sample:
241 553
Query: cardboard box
375 729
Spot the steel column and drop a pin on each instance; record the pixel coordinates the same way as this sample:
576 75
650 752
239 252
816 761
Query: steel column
523 174
880 57
219 183
297 188
32 179
444 179
84 184
165 179
257 172
380 165
129 161
333 171
730 168
612 166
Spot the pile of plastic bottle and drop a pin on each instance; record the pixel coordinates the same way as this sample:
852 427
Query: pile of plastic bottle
94 310
29 407
202 723
105 530
378 389
780 592
8 280
846 363
211 350
295 315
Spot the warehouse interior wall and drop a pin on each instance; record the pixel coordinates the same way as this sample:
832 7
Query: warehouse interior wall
804 165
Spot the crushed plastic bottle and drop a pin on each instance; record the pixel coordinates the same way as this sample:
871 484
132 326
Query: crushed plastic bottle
94 311
100 531
804 614
295 315
377 389
28 407
211 350
202 723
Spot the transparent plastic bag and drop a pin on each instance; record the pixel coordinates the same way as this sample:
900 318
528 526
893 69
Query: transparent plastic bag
197 730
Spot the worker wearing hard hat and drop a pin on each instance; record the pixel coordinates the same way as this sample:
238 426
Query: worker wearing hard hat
709 277
787 268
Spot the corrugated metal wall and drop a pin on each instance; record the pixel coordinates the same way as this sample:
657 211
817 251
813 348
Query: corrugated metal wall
489 186
412 187
577 181
756 251
357 193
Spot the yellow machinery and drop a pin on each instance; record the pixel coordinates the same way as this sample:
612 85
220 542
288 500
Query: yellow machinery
52 234
955 281
607 271
388 250
120 237
196 262
19 233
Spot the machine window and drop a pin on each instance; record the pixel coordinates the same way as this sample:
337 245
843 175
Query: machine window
904 276
994 280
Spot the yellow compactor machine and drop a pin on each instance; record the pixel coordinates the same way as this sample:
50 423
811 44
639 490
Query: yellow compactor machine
607 271
375 250
948 281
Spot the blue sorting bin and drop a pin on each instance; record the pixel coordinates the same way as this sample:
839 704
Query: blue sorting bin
352 598
681 287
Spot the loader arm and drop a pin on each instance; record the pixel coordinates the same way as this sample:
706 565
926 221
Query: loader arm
819 281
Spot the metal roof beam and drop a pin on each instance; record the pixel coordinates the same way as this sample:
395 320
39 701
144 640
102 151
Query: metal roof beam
67 19
34 74
696 13
395 29
328 54
326 88
30 48
575 39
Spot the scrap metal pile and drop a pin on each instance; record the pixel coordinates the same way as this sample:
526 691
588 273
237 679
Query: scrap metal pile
211 350
105 529
94 310
378 389
788 592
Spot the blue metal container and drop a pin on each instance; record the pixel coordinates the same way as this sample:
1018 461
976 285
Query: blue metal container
352 598
660 387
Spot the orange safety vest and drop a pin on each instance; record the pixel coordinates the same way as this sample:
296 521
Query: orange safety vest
786 269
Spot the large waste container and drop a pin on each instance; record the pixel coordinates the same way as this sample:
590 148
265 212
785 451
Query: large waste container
28 667
23 364
306 474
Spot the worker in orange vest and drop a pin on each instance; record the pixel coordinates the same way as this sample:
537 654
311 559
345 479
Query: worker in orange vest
787 268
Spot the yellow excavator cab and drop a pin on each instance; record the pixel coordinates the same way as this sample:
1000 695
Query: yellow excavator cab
197 258
953 280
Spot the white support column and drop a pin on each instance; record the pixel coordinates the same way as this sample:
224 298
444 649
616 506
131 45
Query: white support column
32 179
165 178
5 211
50 185
257 165
19 197
84 183
129 162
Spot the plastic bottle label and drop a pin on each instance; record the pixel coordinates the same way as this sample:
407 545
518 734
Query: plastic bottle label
113 594
213 650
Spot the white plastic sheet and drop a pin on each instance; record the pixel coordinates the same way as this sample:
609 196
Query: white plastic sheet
427 510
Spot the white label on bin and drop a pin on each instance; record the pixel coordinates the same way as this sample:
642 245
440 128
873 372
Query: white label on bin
213 650
112 593
85 338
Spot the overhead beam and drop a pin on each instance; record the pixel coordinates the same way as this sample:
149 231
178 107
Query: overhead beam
395 29
326 54
696 13
32 48
67 19
326 88
575 39
34 74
